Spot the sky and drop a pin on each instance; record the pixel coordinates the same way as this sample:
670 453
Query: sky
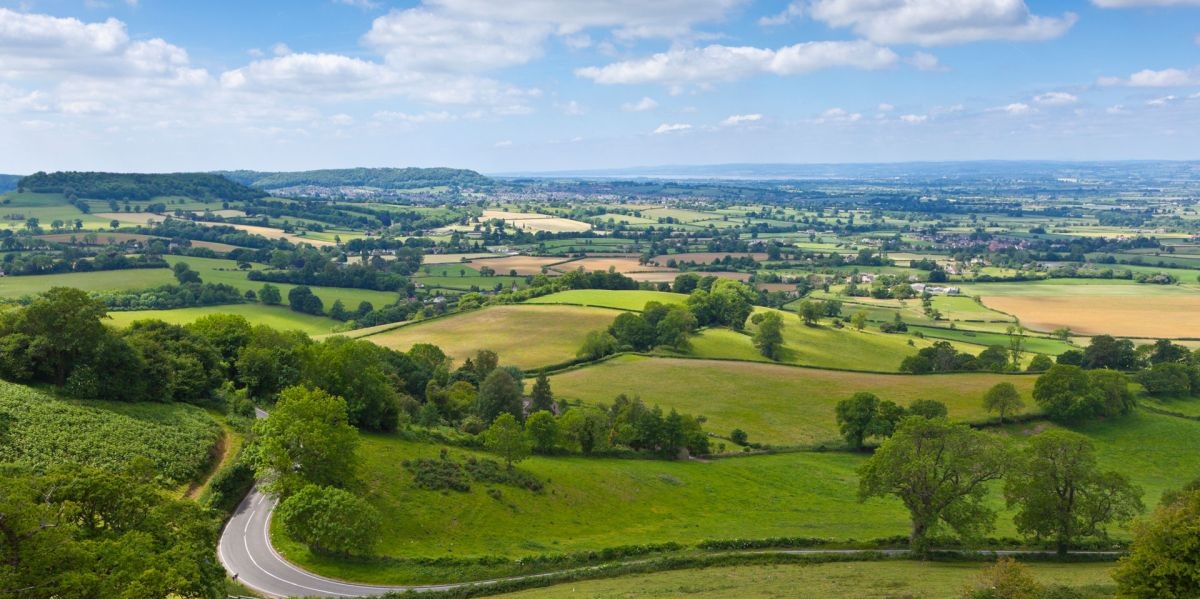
546 85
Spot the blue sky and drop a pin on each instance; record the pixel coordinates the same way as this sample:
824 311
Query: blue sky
533 85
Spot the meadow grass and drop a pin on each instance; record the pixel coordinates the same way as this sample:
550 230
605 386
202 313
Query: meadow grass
623 300
523 335
1041 345
279 317
895 579
775 404
120 280
217 270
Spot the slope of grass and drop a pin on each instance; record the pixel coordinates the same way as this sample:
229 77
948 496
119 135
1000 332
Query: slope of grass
47 432
215 270
623 300
118 280
279 317
775 404
895 579
523 335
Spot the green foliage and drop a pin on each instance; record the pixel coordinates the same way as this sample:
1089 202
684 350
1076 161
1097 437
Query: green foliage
330 520
46 432
302 299
541 397
928 408
1069 393
385 178
864 416
543 432
82 532
1062 495
597 344
1105 351
138 186
61 329
586 428
1006 579
269 295
359 371
306 440
228 486
1164 561
727 303
940 472
506 438
941 357
1170 379
768 337
498 394
1004 399
1039 363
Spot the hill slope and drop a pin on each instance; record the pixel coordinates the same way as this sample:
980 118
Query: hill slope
384 178
137 186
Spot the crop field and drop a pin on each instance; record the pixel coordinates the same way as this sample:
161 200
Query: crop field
530 221
1133 316
132 218
453 258
775 404
669 276
884 579
271 233
1041 345
621 264
47 432
621 300
524 265
279 317
137 278
680 214
965 308
706 257
519 334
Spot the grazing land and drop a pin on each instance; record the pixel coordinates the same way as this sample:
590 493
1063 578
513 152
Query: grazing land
279 317
778 405
141 278
621 300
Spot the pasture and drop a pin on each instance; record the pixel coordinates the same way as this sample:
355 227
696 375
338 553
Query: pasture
279 317
527 336
621 300
137 278
775 404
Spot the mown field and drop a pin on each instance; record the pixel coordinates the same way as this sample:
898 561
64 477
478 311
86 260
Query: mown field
890 579
779 405
1132 316
621 300
216 270
46 432
523 335
279 317
138 278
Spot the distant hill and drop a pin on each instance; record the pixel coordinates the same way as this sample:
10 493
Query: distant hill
382 178
138 186
9 182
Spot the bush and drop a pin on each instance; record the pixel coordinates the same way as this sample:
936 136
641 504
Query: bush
228 486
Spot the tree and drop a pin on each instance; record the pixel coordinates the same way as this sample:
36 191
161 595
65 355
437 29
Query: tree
330 520
993 358
66 325
305 440
506 438
940 471
863 416
674 327
1163 562
338 311
301 299
928 408
1110 392
498 394
768 338
739 436
269 295
1064 393
1004 399
541 398
596 345
485 362
184 273
632 332
859 320
543 431
587 428
1167 379
1106 351
359 371
810 312
1006 579
1060 493
1039 363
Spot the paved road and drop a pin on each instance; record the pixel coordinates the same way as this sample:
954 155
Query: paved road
245 550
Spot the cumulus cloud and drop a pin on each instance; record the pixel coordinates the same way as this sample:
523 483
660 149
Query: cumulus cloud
1015 109
1141 3
671 128
421 39
632 18
1151 78
1055 99
738 119
1162 101
793 11
914 118
838 115
925 61
391 116
646 103
938 22
715 63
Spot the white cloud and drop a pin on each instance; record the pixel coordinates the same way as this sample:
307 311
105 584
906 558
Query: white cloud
280 49
1139 3
504 143
1151 78
914 118
389 116
671 128
1162 101
727 63
885 107
1115 109
1055 99
1015 109
925 61
838 115
421 39
938 22
738 119
793 11
646 103
341 119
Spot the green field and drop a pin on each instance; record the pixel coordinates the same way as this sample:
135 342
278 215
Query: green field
121 280
779 405
279 317
47 432
215 270
892 579
523 336
1041 345
622 300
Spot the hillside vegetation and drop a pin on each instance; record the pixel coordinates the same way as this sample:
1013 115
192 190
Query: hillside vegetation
385 178
137 186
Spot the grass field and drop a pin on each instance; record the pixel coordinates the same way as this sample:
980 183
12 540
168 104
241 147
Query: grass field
779 405
623 300
524 336
279 317
1041 345
621 264
891 579
1132 316
139 278
215 270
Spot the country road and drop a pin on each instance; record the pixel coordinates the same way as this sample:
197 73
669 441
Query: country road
245 550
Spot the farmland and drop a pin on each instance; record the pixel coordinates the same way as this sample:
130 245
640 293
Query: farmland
779 405
1175 316
278 317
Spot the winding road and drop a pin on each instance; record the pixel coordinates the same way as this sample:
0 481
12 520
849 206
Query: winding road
246 552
